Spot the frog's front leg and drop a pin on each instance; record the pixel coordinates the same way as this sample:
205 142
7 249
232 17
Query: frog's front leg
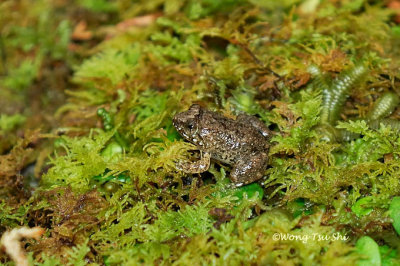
199 166
250 169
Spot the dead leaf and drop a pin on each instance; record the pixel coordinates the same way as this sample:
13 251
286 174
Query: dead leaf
81 33
141 21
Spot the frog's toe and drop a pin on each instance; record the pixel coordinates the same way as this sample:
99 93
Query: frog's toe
249 170
199 166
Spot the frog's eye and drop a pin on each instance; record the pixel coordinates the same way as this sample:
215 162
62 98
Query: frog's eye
190 126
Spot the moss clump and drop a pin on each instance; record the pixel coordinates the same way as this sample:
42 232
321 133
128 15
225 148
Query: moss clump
88 151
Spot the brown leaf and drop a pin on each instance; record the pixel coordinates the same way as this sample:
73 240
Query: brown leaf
141 21
81 33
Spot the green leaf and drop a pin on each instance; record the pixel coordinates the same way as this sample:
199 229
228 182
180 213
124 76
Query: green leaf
388 255
250 190
112 152
299 207
359 207
369 250
394 210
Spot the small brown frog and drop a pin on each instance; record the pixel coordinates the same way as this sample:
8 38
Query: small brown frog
242 143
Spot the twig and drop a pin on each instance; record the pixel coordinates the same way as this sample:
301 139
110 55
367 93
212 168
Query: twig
11 242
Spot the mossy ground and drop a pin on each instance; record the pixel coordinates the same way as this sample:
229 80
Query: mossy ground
88 90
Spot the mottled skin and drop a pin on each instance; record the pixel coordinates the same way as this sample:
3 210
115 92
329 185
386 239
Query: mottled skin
242 143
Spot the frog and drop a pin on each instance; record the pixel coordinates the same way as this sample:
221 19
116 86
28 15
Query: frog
242 143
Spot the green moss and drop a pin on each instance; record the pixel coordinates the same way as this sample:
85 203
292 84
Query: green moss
98 5
297 119
8 123
174 49
21 77
112 64
10 217
82 161
101 175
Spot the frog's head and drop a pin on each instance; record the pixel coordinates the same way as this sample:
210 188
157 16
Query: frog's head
186 123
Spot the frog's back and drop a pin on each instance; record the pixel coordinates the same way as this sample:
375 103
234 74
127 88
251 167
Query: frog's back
228 140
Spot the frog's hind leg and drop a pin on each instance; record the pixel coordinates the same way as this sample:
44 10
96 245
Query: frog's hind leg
256 123
199 166
249 170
